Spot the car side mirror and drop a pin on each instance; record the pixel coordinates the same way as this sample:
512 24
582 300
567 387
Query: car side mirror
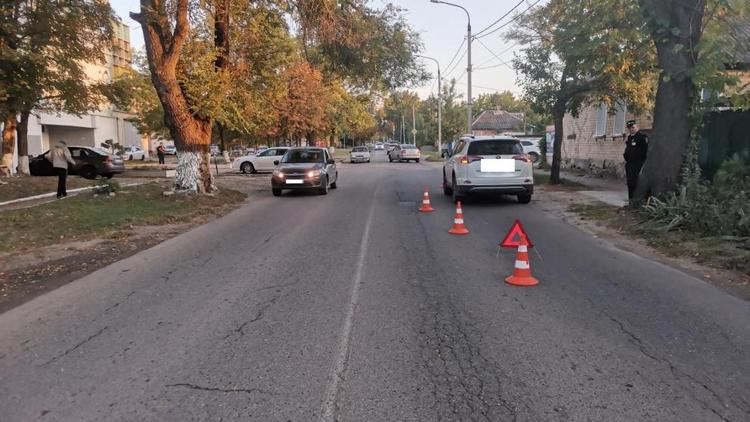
276 162
331 161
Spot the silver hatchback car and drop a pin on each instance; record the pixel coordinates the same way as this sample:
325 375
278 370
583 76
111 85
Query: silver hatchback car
488 164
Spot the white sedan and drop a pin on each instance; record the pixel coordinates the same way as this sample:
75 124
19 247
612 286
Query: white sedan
133 153
263 161
359 155
404 152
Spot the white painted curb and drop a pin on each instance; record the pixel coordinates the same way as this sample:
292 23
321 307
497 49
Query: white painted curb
51 194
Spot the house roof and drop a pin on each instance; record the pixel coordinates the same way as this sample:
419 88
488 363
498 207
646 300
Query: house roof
498 120
739 34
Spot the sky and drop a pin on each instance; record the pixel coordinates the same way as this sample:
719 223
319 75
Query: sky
442 29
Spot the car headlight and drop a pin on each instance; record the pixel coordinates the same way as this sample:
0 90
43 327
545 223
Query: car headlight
313 173
278 173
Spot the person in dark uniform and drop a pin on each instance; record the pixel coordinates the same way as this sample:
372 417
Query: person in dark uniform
636 148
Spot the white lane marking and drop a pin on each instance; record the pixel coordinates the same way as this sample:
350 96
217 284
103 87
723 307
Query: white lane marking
328 411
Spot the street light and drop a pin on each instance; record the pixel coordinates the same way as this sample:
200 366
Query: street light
469 116
440 105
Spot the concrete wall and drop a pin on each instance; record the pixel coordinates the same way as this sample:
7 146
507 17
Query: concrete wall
584 149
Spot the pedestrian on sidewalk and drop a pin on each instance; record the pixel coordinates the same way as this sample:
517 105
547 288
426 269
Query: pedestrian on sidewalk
636 148
160 152
60 158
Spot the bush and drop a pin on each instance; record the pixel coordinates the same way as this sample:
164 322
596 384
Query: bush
720 207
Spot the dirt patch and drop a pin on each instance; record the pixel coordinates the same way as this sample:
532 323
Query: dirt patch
94 232
619 226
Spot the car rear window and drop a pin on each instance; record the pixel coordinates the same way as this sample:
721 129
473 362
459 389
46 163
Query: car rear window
495 147
408 146
359 149
100 151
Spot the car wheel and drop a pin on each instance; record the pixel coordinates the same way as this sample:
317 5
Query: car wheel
88 172
524 198
390 159
247 167
333 185
323 190
417 160
534 157
143 157
446 188
276 192
454 190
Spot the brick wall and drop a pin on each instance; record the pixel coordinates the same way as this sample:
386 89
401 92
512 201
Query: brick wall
599 155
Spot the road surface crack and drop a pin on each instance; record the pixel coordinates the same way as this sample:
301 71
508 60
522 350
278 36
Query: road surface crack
74 348
221 390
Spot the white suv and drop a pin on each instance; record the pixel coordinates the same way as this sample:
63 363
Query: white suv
491 164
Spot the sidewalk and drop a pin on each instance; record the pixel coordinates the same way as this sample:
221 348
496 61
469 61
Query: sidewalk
607 190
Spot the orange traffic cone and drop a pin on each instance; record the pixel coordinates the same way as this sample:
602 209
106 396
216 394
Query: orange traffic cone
522 269
426 207
458 221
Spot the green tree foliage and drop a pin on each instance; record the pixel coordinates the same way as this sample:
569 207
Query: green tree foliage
44 49
581 52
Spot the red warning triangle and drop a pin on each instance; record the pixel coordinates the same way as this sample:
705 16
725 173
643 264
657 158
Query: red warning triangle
513 238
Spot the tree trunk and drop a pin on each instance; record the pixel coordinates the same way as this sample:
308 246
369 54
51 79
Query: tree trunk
23 143
9 141
677 55
558 113
222 142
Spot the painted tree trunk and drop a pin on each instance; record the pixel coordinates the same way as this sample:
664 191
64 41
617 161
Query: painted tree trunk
9 140
23 143
558 113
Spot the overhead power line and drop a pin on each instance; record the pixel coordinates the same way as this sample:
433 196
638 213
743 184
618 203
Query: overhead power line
456 55
518 15
500 18
493 53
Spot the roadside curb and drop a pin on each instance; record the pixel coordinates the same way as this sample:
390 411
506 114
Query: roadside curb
51 194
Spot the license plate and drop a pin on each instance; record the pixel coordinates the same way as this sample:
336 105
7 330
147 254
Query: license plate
294 181
503 165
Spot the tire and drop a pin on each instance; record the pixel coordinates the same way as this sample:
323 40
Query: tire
389 158
454 191
247 167
333 185
143 157
417 160
88 172
534 157
524 198
447 191
323 190
276 192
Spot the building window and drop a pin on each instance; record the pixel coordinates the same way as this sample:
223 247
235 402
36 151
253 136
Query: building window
621 110
601 120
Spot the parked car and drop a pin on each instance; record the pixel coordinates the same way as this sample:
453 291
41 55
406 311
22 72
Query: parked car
90 163
379 146
170 150
262 148
237 151
134 153
214 149
251 151
305 168
531 148
390 145
488 164
359 155
404 152
263 161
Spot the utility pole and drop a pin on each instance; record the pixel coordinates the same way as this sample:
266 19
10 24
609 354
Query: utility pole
440 105
413 125
469 101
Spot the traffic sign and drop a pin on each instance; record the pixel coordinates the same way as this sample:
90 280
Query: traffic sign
513 238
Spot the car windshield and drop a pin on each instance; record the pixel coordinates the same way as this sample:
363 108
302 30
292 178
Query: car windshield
303 156
495 147
408 146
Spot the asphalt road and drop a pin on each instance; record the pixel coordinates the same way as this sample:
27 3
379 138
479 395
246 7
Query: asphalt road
355 307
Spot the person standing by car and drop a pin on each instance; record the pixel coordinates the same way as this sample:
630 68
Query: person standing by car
160 152
60 157
636 148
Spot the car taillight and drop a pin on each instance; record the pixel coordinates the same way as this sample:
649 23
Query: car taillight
522 157
467 159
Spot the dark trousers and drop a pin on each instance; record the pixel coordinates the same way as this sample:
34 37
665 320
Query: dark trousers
161 158
62 176
632 171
